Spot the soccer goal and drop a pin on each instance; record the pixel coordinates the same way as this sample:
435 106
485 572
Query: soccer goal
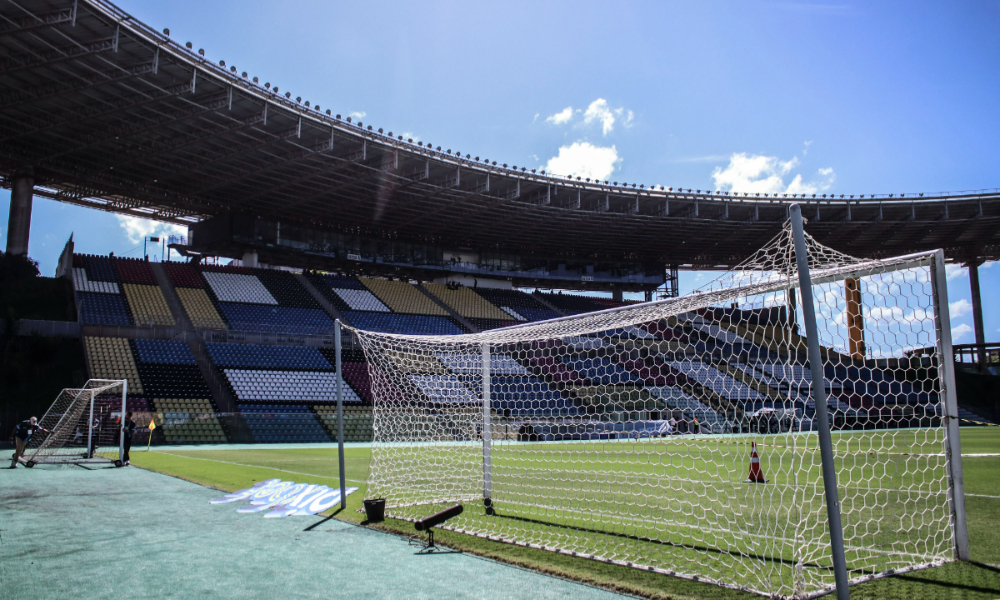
698 436
82 426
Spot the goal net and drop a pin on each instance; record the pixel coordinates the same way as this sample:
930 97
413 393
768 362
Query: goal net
679 436
82 426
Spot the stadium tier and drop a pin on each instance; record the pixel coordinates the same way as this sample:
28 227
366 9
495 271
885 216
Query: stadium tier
517 304
693 366
387 306
285 423
165 384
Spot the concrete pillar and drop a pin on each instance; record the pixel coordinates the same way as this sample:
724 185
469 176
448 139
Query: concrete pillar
19 223
977 315
250 259
855 320
616 295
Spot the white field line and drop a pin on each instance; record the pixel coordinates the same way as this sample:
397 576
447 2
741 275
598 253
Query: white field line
983 496
257 466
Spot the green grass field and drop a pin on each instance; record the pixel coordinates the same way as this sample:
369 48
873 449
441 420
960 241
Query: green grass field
699 478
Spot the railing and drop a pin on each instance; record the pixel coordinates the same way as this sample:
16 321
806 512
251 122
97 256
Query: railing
974 354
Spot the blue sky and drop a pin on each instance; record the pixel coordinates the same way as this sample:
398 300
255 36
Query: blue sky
842 97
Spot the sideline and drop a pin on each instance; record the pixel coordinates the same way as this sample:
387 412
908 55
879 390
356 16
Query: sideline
334 476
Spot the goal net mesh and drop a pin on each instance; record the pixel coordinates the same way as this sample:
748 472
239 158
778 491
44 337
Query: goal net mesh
85 425
628 435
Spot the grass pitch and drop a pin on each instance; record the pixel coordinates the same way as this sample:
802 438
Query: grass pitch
231 468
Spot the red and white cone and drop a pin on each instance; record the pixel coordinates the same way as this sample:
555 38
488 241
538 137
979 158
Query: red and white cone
756 475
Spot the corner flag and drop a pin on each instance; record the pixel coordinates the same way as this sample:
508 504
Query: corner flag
152 426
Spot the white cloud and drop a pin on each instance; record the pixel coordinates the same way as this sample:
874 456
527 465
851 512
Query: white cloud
136 228
358 114
960 308
599 111
409 136
954 271
959 332
756 173
806 145
582 159
561 117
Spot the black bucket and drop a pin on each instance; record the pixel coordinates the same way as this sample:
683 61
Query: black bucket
375 510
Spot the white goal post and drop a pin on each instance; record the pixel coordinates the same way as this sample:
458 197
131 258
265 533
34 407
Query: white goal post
682 436
84 425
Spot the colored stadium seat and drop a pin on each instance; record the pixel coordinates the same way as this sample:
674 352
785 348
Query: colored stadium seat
255 317
164 351
357 422
267 357
112 358
402 297
408 324
272 423
148 305
199 308
466 302
517 304
189 421
236 287
103 309
287 386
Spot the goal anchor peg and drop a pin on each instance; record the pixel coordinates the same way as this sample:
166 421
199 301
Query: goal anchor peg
756 475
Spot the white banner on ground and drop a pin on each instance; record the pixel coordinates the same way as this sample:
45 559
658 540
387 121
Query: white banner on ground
285 498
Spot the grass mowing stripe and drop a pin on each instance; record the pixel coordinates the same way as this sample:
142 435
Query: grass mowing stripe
253 466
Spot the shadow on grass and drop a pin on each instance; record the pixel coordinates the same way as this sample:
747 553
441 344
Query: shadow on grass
970 580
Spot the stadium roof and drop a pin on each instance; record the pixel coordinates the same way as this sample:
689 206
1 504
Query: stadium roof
108 113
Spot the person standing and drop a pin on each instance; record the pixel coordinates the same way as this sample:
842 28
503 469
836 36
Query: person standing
21 434
128 429
95 433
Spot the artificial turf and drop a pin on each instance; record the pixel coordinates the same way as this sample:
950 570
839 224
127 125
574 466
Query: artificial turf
231 469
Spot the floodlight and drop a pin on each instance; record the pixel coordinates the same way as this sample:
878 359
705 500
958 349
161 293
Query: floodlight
222 63
166 31
188 45
201 51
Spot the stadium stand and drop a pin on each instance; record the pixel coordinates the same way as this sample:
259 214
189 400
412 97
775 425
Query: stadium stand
402 297
273 423
148 305
133 270
264 300
253 356
112 358
189 421
408 324
466 302
103 309
517 304
287 386
571 304
190 288
357 422
199 308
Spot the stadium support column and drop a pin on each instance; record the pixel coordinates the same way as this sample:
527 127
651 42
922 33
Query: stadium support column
19 222
822 414
855 321
946 376
340 414
977 315
250 259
